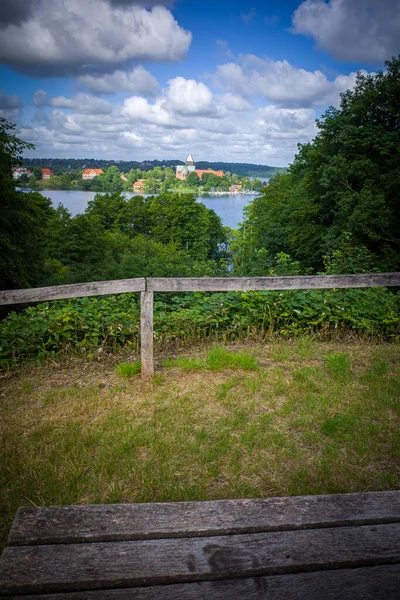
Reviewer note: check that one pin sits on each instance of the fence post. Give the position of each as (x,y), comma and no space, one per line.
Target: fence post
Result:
(146,337)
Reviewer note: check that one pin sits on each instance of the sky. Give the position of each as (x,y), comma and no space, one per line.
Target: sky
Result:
(226,80)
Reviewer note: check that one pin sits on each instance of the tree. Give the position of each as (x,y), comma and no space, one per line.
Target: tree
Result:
(24,218)
(106,207)
(109,181)
(345,182)
(23,180)
(193,180)
(37,172)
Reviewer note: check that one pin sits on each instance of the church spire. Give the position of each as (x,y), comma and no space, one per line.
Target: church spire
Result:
(190,161)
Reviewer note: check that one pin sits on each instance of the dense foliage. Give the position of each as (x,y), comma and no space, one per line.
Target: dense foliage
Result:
(93,327)
(24,219)
(164,235)
(342,190)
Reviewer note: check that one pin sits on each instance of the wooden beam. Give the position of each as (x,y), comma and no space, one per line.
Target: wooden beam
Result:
(146,328)
(365,583)
(101,565)
(76,290)
(123,522)
(298,282)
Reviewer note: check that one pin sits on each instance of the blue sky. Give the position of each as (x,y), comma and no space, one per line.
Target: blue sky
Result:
(225,80)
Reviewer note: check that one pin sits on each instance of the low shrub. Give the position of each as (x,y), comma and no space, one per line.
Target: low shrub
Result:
(92,326)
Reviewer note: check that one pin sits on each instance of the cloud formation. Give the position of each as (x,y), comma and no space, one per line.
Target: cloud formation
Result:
(187,97)
(184,116)
(351,30)
(72,37)
(279,82)
(14,12)
(262,110)
(10,105)
(138,81)
(82,103)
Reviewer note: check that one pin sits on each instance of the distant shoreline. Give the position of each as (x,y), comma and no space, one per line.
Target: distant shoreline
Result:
(172,191)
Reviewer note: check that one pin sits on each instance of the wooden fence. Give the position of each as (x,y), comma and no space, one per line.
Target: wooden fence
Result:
(148,286)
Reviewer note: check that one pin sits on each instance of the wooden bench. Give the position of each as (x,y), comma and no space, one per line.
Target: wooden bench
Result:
(305,547)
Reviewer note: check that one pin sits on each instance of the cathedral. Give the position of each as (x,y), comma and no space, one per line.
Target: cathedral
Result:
(182,171)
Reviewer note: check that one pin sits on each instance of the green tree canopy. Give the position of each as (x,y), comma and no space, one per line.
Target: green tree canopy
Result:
(24,219)
(193,180)
(345,182)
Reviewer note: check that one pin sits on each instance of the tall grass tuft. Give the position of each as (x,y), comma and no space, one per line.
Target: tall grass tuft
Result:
(217,359)
(339,366)
(127,370)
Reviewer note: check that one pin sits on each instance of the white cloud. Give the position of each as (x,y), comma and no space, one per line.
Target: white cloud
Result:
(276,122)
(71,36)
(138,109)
(138,81)
(82,103)
(279,82)
(139,129)
(188,97)
(234,102)
(352,30)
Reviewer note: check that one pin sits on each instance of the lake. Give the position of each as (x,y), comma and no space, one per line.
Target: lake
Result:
(229,208)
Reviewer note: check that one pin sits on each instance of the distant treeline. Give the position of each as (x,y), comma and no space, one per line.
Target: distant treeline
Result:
(73,164)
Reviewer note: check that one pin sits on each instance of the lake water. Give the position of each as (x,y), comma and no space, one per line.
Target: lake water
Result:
(229,208)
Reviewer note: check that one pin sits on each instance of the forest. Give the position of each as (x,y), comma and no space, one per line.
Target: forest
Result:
(335,210)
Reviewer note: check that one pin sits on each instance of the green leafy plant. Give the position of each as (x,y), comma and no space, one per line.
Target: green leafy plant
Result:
(94,327)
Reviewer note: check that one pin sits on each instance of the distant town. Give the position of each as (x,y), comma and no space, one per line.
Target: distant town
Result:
(146,178)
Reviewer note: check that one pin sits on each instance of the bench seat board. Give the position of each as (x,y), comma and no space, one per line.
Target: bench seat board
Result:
(71,524)
(69,567)
(372,583)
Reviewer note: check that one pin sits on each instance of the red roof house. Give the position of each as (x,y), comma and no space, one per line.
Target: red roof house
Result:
(138,186)
(47,173)
(91,173)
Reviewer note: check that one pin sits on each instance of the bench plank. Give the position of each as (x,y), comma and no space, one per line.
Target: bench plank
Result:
(71,524)
(74,567)
(367,583)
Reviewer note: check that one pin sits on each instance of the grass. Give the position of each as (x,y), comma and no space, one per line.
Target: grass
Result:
(216,359)
(289,418)
(127,370)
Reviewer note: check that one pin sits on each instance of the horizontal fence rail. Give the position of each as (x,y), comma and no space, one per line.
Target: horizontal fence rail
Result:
(75,290)
(148,286)
(247,284)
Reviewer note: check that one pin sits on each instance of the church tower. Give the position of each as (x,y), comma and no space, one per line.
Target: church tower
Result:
(190,161)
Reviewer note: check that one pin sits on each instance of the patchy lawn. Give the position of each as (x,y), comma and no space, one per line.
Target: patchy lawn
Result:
(289,418)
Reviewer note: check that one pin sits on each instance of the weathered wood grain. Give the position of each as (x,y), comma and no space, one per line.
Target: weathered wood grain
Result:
(146,328)
(366,583)
(76,290)
(74,567)
(119,522)
(301,282)
(194,284)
